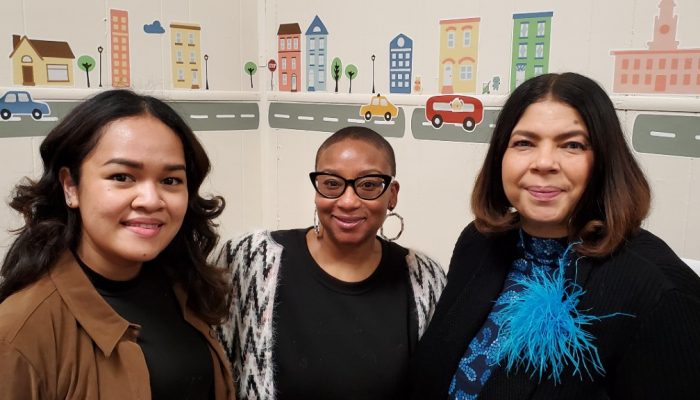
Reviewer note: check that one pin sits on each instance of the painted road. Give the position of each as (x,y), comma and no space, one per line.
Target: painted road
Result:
(201,116)
(330,118)
(674,135)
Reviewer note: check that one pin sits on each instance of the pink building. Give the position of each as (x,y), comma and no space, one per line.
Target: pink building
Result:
(289,57)
(121,64)
(662,68)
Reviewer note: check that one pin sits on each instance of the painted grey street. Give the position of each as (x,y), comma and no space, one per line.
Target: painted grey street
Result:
(674,135)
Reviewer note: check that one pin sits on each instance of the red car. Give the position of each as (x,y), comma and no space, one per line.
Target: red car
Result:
(454,109)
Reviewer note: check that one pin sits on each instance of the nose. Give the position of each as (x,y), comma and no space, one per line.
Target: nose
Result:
(545,159)
(148,197)
(349,198)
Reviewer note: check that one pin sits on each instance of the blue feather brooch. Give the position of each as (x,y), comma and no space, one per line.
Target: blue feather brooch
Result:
(542,329)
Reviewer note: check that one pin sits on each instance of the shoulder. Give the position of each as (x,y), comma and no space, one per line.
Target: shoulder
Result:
(256,244)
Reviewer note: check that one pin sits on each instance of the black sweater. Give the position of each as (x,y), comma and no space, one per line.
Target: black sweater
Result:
(655,354)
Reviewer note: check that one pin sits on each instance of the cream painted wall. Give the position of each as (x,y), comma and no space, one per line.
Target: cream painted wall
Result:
(263,173)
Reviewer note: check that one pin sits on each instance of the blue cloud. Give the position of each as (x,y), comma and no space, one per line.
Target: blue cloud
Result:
(155,27)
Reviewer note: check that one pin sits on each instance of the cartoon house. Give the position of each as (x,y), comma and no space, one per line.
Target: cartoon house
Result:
(41,62)
(121,63)
(459,48)
(530,54)
(663,67)
(289,56)
(316,53)
(401,56)
(185,55)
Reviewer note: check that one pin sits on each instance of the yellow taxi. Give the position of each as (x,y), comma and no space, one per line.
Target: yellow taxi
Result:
(379,106)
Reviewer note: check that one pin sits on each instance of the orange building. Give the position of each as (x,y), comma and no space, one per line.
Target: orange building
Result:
(121,64)
(289,55)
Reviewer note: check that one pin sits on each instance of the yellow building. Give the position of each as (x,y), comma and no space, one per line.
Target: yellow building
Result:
(459,49)
(185,51)
(41,62)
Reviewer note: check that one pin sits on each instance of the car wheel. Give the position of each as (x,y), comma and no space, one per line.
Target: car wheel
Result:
(468,124)
(387,116)
(437,121)
(5,114)
(36,113)
(368,115)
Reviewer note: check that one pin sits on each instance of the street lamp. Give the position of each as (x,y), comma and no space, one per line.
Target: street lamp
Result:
(206,71)
(373,57)
(99,50)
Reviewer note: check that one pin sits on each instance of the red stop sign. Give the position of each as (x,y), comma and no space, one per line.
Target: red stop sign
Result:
(272,65)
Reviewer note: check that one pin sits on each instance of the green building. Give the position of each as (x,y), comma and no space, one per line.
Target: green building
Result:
(531,37)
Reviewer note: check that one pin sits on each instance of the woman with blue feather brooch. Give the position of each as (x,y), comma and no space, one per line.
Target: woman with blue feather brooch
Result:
(555,291)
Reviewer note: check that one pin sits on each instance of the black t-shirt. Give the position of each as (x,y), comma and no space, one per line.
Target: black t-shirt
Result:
(341,340)
(178,357)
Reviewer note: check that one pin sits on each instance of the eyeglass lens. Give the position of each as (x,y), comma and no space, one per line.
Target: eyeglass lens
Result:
(367,187)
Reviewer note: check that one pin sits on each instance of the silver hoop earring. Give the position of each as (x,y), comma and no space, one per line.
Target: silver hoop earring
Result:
(317,227)
(68,203)
(398,235)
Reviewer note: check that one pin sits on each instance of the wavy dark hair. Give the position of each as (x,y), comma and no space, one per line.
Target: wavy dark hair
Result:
(617,198)
(50,227)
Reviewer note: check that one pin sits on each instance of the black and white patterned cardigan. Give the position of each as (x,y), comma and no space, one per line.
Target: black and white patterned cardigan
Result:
(254,264)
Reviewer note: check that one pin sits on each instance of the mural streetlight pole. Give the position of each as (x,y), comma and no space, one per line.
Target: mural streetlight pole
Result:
(206,71)
(373,57)
(99,50)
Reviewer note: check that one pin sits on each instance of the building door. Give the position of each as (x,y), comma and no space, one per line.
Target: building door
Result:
(294,82)
(27,75)
(660,83)
(310,83)
(447,78)
(519,74)
(195,79)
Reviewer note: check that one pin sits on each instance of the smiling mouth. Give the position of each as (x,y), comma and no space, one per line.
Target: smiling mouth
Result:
(544,193)
(348,223)
(144,229)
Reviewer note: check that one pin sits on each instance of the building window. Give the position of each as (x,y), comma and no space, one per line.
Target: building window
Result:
(190,38)
(688,63)
(674,79)
(321,43)
(400,64)
(178,56)
(539,50)
(623,79)
(393,77)
(289,43)
(467,38)
(408,63)
(541,25)
(296,43)
(674,63)
(524,27)
(192,59)
(393,56)
(450,39)
(686,79)
(312,44)
(393,83)
(281,44)
(393,63)
(284,63)
(539,70)
(625,63)
(57,72)
(465,72)
(294,63)
(284,79)
(522,50)
(178,37)
(180,75)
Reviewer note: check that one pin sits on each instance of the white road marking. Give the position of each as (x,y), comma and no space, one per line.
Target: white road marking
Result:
(697,137)
(492,125)
(669,135)
(48,119)
(380,122)
(197,116)
(251,116)
(426,123)
(15,118)
(225,116)
(359,121)
(305,118)
(329,119)
(281,116)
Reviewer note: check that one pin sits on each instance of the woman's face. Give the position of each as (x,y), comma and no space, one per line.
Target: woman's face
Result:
(546,167)
(132,195)
(350,220)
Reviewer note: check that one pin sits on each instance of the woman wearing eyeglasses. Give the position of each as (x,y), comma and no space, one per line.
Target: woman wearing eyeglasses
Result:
(331,311)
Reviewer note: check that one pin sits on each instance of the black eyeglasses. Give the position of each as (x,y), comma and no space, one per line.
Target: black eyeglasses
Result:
(368,187)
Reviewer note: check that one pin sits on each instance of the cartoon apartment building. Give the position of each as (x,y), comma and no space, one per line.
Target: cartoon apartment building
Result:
(41,62)
(401,65)
(316,55)
(289,56)
(530,54)
(121,63)
(459,48)
(185,55)
(663,67)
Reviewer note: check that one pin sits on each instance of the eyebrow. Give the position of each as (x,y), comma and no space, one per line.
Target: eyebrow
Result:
(564,136)
(139,165)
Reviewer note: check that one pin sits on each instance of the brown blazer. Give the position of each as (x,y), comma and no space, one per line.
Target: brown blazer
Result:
(59,339)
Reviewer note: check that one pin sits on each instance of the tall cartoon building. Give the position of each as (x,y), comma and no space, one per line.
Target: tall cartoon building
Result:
(316,55)
(663,67)
(459,49)
(401,56)
(41,62)
(531,37)
(121,62)
(289,56)
(185,55)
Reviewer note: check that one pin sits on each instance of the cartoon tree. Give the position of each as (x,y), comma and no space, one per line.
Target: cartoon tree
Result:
(351,73)
(336,71)
(251,68)
(87,64)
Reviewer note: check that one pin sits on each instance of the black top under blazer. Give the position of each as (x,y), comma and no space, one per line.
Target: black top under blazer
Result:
(655,354)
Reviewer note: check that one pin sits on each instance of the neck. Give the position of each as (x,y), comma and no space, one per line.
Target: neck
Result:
(348,263)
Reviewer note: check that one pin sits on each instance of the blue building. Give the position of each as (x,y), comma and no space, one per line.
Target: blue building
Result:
(401,64)
(316,55)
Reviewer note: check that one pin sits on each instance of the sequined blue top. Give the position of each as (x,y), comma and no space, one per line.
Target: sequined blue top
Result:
(479,359)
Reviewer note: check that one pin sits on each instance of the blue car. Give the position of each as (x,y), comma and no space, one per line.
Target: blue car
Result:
(21,103)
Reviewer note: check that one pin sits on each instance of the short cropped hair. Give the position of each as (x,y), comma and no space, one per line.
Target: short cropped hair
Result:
(363,134)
